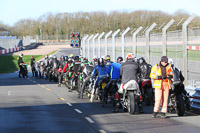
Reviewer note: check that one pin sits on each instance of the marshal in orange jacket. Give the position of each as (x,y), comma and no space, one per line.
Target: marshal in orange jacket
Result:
(156,71)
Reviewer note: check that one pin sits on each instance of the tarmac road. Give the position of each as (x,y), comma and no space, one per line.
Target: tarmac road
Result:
(39,106)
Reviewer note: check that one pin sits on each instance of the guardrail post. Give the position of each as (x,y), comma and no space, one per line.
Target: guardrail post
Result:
(93,40)
(123,40)
(135,40)
(99,44)
(164,37)
(113,43)
(184,36)
(148,41)
(88,42)
(83,43)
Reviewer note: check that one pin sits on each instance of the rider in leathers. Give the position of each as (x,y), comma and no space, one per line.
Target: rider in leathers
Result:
(60,72)
(129,71)
(99,71)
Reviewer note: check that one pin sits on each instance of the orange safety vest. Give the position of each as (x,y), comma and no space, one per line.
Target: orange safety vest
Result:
(156,71)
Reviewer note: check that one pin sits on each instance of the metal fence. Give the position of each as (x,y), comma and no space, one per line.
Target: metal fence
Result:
(152,46)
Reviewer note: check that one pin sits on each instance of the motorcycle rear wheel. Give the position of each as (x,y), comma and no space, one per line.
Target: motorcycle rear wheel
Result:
(180,108)
(131,102)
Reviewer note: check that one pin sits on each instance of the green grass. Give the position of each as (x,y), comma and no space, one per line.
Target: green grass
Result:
(9,63)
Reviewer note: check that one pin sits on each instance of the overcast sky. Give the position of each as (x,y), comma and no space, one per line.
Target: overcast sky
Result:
(13,10)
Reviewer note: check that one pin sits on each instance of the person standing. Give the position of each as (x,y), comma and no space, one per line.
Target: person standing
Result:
(161,74)
(20,62)
(33,65)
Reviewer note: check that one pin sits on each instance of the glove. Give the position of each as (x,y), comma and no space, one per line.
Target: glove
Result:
(158,77)
(170,77)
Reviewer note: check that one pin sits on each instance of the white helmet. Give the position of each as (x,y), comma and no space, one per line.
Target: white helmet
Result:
(95,57)
(170,61)
(50,56)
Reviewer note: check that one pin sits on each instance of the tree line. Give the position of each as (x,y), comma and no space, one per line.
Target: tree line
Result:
(96,22)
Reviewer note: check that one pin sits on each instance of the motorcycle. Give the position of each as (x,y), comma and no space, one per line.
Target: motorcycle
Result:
(131,93)
(24,70)
(86,80)
(176,101)
(147,91)
(101,85)
(41,71)
(109,93)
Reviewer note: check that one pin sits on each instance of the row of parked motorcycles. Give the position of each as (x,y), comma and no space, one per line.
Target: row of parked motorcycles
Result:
(131,95)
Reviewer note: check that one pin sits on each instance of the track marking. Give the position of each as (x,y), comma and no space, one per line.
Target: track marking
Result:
(48,89)
(78,111)
(42,86)
(9,93)
(62,99)
(102,131)
(89,119)
(38,84)
(69,104)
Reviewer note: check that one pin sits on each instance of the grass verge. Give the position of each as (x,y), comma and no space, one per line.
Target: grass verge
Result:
(8,63)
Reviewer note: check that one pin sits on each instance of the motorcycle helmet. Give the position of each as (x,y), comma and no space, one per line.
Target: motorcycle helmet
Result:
(119,59)
(21,55)
(61,57)
(108,57)
(66,58)
(76,58)
(95,58)
(130,56)
(70,59)
(171,61)
(51,57)
(71,55)
(46,56)
(141,60)
(101,61)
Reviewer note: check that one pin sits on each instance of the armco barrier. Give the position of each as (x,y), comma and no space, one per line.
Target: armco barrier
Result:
(10,50)
(194,96)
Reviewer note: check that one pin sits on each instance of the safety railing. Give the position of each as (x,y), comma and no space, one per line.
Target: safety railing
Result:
(194,96)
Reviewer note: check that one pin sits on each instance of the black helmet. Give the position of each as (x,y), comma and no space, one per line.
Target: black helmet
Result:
(141,60)
(76,58)
(119,59)
(101,61)
(66,58)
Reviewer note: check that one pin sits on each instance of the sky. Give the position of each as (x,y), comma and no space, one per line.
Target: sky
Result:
(12,11)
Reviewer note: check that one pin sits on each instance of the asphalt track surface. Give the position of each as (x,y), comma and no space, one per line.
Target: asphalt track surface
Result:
(39,106)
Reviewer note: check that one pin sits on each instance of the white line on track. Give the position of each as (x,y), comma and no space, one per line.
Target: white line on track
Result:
(102,131)
(89,119)
(69,104)
(9,93)
(78,111)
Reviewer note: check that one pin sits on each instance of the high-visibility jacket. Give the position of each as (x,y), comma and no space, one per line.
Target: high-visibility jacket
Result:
(156,71)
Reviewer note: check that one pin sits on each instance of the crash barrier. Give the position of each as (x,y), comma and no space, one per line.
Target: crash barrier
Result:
(194,96)
(10,50)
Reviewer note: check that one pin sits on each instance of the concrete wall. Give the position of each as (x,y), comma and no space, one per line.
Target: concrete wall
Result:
(10,43)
